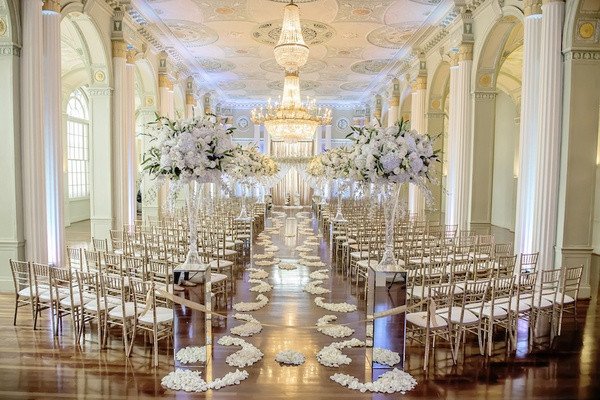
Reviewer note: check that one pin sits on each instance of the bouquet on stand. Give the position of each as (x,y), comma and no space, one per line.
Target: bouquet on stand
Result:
(390,157)
(337,166)
(189,152)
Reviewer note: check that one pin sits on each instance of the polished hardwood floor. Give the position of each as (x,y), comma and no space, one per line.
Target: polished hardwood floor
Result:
(36,365)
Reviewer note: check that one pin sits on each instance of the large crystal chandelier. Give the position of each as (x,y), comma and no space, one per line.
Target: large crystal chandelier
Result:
(290,119)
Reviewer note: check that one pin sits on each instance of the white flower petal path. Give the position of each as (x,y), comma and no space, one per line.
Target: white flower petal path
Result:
(261,301)
(313,287)
(385,356)
(191,381)
(257,273)
(312,264)
(333,330)
(191,354)
(287,266)
(309,257)
(246,356)
(335,307)
(290,357)
(265,263)
(251,327)
(264,256)
(332,356)
(261,286)
(319,275)
(390,382)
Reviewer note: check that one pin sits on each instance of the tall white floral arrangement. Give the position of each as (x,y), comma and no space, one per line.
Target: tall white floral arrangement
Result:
(196,150)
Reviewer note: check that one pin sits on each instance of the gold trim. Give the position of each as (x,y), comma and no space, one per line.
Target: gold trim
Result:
(190,99)
(119,49)
(586,30)
(164,81)
(532,7)
(465,53)
(51,5)
(395,101)
(131,54)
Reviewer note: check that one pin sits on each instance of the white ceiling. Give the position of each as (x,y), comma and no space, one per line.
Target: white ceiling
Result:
(352,42)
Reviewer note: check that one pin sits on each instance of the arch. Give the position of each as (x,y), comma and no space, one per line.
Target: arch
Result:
(10,12)
(438,89)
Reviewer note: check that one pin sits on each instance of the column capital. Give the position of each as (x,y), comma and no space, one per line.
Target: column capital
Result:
(164,81)
(190,99)
(103,91)
(532,7)
(552,1)
(119,48)
(420,83)
(51,5)
(465,52)
(394,101)
(485,95)
(10,49)
(131,55)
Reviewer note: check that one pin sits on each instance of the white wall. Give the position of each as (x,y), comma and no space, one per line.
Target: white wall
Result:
(79,209)
(505,145)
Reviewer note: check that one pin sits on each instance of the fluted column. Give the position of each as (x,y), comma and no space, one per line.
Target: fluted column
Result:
(119,133)
(256,134)
(327,136)
(377,109)
(32,133)
(319,139)
(550,129)
(55,203)
(528,129)
(394,110)
(416,201)
(130,157)
(190,106)
(459,168)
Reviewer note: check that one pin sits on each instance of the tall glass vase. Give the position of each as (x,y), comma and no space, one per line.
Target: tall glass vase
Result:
(244,216)
(339,216)
(391,197)
(193,262)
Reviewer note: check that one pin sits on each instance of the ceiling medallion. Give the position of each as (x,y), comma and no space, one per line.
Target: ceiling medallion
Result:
(224,10)
(313,32)
(393,36)
(192,33)
(429,2)
(232,85)
(354,86)
(212,65)
(369,67)
(364,11)
(310,67)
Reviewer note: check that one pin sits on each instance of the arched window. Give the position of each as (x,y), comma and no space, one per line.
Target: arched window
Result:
(77,145)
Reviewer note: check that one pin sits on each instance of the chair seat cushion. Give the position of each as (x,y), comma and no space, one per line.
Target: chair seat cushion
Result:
(559,298)
(29,292)
(486,311)
(163,315)
(420,319)
(110,304)
(117,312)
(457,315)
(367,263)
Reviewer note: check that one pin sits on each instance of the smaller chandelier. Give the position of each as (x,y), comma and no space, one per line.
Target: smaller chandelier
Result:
(291,52)
(291,120)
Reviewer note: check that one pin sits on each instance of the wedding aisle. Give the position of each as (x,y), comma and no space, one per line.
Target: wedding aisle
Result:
(287,256)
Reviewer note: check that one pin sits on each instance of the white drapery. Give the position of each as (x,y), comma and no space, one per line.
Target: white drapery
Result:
(292,183)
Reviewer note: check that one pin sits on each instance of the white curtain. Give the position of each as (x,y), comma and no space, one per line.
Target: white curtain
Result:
(292,183)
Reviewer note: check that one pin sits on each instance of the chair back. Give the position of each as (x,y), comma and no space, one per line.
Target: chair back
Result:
(21,273)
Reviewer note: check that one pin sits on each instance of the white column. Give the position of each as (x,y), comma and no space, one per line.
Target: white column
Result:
(550,129)
(393,111)
(130,175)
(119,133)
(416,201)
(101,206)
(451,218)
(528,129)
(53,133)
(190,106)
(319,139)
(461,158)
(327,136)
(32,133)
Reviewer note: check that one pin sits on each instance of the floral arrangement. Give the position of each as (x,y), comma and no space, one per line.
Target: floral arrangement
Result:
(336,163)
(251,327)
(335,307)
(326,327)
(191,381)
(188,150)
(249,163)
(246,356)
(389,382)
(191,354)
(257,273)
(290,357)
(261,301)
(391,155)
(315,167)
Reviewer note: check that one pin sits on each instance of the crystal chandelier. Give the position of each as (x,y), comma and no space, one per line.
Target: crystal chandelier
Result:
(290,119)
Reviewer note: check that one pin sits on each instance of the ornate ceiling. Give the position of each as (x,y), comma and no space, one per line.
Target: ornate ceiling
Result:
(353,43)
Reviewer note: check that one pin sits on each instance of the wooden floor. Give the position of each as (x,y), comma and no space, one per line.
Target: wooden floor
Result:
(35,365)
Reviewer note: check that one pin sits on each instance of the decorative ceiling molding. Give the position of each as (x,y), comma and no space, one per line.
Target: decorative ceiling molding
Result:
(314,32)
